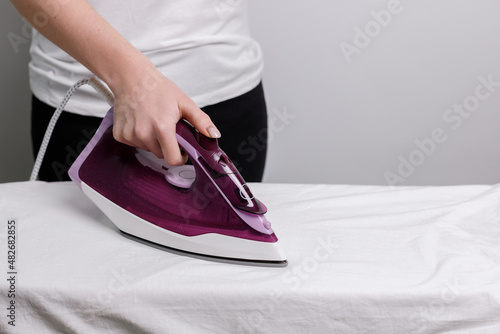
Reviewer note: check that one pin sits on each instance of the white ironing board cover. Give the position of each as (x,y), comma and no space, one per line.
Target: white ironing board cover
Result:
(362,259)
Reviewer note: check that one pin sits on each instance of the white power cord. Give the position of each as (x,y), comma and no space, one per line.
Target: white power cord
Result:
(95,83)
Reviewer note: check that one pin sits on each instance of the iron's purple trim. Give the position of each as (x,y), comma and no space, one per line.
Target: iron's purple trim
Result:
(255,221)
(221,169)
(73,172)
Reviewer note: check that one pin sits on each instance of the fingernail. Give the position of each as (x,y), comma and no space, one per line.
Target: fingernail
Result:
(213,131)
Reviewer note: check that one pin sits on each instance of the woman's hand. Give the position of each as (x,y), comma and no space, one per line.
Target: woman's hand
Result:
(147,109)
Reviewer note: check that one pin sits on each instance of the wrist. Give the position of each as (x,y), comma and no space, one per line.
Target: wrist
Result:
(129,73)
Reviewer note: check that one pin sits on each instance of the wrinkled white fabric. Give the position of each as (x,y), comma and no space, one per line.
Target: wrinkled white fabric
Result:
(362,259)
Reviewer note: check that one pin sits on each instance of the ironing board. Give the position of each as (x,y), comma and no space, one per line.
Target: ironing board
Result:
(362,259)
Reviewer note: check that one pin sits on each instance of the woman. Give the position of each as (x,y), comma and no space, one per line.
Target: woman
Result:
(162,60)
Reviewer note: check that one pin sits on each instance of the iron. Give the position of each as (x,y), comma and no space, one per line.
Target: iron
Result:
(205,208)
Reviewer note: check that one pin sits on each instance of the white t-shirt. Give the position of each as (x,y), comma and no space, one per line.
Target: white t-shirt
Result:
(203,46)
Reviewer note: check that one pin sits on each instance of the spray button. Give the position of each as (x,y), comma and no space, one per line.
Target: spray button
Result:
(181,176)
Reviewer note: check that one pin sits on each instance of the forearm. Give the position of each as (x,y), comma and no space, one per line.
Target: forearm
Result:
(79,30)
(147,105)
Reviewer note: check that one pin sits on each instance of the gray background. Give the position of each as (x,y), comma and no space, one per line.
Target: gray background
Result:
(352,122)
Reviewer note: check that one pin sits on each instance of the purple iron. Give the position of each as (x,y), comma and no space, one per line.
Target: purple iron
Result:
(205,209)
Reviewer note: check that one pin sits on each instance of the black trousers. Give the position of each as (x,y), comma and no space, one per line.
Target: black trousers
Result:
(242,122)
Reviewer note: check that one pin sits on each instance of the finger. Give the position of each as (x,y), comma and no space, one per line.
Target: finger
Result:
(165,133)
(152,146)
(155,148)
(136,144)
(148,140)
(127,138)
(199,120)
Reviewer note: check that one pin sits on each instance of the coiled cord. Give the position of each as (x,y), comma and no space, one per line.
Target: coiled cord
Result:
(95,83)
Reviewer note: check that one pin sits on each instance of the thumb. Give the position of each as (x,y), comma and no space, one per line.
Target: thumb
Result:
(201,121)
